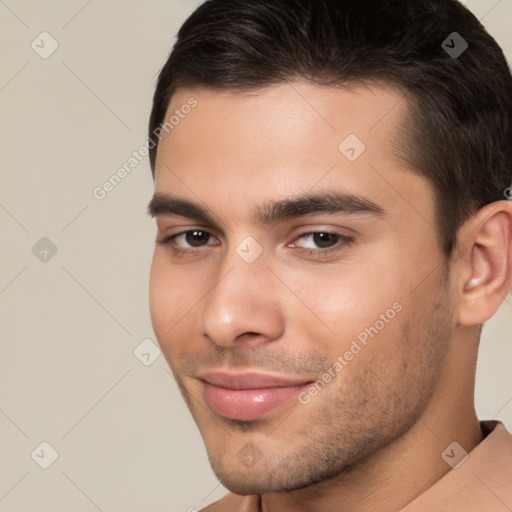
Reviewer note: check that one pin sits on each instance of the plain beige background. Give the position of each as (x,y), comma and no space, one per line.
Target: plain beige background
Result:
(72,320)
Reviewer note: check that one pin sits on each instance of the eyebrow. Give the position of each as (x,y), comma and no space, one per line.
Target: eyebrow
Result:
(273,211)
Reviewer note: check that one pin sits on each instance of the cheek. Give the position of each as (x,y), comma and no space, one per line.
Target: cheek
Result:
(341,305)
(171,298)
(361,304)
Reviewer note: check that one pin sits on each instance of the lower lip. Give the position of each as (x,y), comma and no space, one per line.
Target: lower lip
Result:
(248,404)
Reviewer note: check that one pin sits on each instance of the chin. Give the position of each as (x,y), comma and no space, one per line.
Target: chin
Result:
(244,480)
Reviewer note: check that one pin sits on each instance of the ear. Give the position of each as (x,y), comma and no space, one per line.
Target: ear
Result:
(485,267)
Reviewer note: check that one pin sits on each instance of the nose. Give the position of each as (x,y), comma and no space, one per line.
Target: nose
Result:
(242,307)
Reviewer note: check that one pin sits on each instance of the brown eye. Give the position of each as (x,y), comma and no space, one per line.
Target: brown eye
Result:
(322,240)
(196,238)
(189,240)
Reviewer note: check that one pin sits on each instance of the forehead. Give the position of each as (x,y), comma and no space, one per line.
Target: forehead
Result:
(234,148)
(309,112)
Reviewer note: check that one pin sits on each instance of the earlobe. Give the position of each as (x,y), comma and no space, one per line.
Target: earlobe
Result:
(486,266)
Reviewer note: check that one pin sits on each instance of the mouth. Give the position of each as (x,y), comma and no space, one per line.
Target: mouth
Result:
(249,395)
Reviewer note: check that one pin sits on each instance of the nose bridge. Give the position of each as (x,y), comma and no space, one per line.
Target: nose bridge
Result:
(241,301)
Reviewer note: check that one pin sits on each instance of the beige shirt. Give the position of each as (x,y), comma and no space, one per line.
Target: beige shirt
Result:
(482,483)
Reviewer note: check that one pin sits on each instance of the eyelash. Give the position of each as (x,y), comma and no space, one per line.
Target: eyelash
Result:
(342,241)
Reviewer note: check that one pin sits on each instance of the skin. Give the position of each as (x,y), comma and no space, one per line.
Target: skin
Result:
(372,437)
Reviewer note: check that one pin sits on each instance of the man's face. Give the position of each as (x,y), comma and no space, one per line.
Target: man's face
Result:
(264,296)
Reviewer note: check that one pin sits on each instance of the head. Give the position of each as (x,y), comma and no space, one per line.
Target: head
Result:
(332,224)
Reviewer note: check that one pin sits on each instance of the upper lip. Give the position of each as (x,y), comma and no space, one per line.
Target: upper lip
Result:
(249,380)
